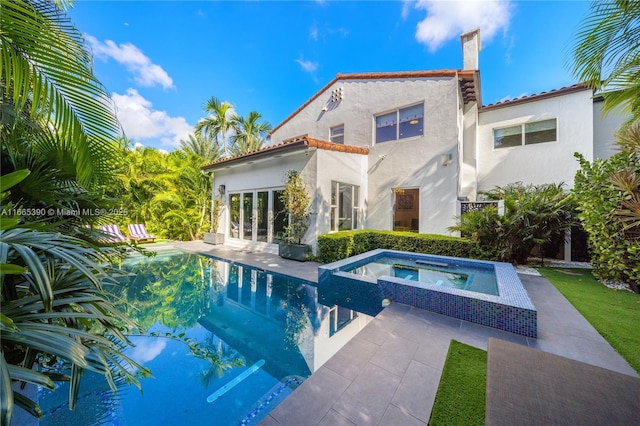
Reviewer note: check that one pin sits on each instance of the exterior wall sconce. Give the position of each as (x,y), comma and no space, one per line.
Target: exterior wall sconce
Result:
(446,159)
(221,189)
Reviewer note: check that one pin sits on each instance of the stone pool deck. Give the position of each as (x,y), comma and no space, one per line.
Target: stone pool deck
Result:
(389,373)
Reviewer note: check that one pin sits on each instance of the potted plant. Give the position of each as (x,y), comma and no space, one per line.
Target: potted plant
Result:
(297,205)
(215,237)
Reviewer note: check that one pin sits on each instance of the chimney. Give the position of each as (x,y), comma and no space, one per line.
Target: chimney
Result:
(470,49)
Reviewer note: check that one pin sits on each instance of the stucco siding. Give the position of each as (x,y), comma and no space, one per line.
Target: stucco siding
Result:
(408,163)
(549,162)
(604,129)
(468,152)
(267,174)
(363,99)
(337,167)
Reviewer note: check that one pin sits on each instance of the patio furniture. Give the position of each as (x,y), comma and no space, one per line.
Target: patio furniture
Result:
(530,387)
(113,233)
(139,234)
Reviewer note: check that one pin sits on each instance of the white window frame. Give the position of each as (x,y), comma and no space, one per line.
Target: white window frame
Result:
(523,134)
(339,135)
(397,113)
(334,209)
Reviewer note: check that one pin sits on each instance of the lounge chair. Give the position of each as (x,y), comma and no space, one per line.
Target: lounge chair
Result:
(113,233)
(139,234)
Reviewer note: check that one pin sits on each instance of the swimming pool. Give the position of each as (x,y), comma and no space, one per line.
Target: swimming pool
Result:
(225,344)
(440,284)
(477,277)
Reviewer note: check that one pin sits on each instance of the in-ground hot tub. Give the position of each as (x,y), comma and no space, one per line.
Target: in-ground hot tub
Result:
(478,291)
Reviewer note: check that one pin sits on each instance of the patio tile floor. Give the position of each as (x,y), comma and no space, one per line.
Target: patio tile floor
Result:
(389,373)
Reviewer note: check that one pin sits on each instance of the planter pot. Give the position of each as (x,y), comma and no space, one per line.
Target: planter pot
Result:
(299,252)
(211,238)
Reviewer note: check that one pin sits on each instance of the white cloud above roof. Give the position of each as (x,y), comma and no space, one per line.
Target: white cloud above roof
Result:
(145,72)
(446,20)
(307,66)
(141,121)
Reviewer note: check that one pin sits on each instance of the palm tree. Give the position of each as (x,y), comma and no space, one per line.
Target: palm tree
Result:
(251,133)
(218,124)
(202,146)
(606,55)
(58,123)
(47,78)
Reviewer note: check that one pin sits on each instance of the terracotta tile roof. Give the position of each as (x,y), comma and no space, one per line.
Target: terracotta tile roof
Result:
(462,74)
(302,142)
(578,87)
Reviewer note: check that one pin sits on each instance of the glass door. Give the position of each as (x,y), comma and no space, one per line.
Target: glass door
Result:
(257,216)
(406,211)
(247,216)
(234,215)
(280,217)
(262,212)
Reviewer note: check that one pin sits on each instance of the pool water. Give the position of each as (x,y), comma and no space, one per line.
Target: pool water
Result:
(438,273)
(225,344)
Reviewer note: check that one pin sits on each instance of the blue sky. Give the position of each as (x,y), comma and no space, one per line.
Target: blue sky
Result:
(161,60)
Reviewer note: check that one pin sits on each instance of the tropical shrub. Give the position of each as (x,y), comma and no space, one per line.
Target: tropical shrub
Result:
(58,122)
(166,191)
(56,319)
(534,216)
(343,244)
(608,196)
(182,208)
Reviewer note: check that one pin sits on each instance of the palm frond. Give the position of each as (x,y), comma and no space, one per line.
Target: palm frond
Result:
(606,53)
(47,70)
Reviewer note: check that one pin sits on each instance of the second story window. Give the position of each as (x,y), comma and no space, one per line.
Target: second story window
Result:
(400,124)
(337,134)
(526,134)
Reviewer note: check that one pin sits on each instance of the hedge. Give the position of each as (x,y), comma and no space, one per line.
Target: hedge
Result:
(340,245)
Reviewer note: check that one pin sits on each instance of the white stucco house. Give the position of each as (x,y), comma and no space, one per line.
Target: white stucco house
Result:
(398,150)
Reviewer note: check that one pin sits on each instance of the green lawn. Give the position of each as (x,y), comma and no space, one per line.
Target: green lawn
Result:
(461,394)
(614,313)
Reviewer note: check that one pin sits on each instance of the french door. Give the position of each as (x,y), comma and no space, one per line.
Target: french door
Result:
(256,215)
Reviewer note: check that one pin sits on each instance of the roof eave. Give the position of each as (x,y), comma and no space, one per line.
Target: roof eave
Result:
(252,156)
(579,87)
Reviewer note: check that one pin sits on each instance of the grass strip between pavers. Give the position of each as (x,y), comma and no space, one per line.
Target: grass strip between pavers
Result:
(614,313)
(461,394)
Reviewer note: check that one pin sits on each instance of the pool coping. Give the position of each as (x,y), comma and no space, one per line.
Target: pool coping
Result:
(511,310)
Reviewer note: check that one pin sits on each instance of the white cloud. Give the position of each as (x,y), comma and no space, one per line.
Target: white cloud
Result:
(313,32)
(449,19)
(144,71)
(308,66)
(146,350)
(141,121)
(406,8)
